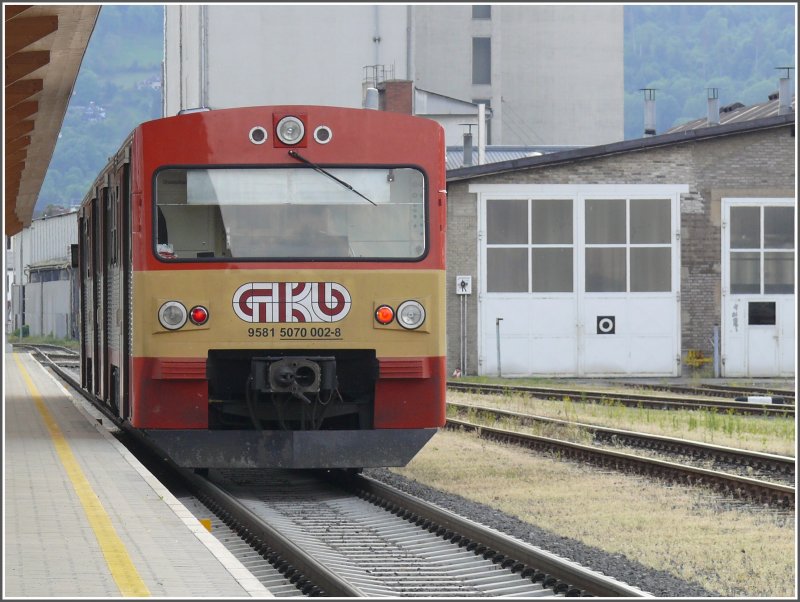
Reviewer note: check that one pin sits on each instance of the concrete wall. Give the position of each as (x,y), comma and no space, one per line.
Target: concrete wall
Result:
(557,71)
(49,309)
(757,164)
(45,242)
(241,55)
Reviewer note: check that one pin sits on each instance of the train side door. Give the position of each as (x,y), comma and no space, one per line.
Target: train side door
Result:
(124,264)
(107,304)
(86,310)
(98,336)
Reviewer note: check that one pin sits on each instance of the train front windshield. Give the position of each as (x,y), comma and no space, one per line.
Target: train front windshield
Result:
(286,213)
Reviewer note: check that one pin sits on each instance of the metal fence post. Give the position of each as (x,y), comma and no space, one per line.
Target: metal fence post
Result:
(499,369)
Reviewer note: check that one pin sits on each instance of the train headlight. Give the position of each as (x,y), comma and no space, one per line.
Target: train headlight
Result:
(172,315)
(290,130)
(384,314)
(410,314)
(198,315)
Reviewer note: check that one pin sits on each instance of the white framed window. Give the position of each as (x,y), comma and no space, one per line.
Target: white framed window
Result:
(761,244)
(529,245)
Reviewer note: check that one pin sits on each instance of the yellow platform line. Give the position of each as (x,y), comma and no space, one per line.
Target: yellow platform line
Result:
(119,562)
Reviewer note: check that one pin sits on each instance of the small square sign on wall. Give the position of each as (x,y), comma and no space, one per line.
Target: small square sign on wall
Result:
(606,324)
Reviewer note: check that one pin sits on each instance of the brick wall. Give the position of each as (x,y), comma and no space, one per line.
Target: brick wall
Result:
(756,164)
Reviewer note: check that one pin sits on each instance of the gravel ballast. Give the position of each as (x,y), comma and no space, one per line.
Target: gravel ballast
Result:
(658,583)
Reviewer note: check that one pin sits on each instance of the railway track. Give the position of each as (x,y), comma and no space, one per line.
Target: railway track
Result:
(737,485)
(340,534)
(627,399)
(725,391)
(353,536)
(764,465)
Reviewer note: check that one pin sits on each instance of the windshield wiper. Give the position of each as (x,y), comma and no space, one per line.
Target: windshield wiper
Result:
(316,167)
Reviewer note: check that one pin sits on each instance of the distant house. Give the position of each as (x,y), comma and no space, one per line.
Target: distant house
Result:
(94,112)
(154,83)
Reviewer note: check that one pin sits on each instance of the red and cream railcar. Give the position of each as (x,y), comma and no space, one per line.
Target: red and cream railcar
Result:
(264,286)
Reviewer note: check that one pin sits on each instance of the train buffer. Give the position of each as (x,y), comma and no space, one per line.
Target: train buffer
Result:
(696,359)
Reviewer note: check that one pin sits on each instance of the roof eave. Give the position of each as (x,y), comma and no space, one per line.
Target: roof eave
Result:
(638,144)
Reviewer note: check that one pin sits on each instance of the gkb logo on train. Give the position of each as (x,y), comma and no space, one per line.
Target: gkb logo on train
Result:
(275,302)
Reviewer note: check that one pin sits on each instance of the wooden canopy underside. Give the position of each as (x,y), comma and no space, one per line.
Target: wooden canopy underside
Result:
(44,46)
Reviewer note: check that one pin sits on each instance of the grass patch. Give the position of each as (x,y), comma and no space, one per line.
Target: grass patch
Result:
(770,434)
(43,340)
(680,530)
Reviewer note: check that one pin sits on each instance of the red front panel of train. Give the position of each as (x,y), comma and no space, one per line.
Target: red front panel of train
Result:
(222,216)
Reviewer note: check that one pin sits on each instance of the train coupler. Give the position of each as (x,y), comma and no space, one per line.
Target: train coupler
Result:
(294,375)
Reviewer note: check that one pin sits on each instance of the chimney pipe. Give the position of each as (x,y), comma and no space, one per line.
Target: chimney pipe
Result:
(785,92)
(468,148)
(713,106)
(649,111)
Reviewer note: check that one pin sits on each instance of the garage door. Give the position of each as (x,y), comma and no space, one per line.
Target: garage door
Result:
(579,280)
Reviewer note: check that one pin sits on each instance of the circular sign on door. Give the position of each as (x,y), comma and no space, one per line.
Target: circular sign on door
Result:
(606,324)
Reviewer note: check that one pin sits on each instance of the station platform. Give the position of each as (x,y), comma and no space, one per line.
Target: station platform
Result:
(83,518)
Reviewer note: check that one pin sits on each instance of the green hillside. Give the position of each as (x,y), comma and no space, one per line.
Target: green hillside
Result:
(683,50)
(117,88)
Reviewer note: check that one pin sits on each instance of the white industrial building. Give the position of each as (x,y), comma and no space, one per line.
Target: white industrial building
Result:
(548,75)
(43,289)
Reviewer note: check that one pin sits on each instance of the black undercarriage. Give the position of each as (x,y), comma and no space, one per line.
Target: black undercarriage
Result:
(292,390)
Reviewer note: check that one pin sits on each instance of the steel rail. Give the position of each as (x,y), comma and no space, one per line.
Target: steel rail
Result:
(627,399)
(506,549)
(782,495)
(744,390)
(715,390)
(563,576)
(311,570)
(782,464)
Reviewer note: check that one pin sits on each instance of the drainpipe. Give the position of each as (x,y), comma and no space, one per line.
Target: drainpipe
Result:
(410,33)
(377,36)
(499,369)
(481,134)
(715,346)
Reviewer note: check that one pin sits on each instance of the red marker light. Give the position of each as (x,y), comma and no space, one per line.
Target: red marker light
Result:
(384,314)
(198,315)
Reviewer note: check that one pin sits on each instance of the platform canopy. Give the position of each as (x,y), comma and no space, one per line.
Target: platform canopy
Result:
(44,47)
